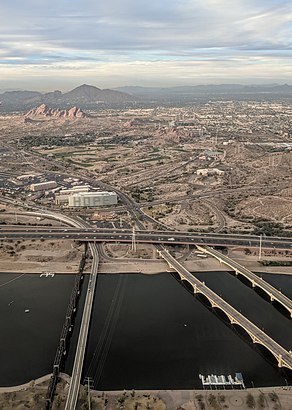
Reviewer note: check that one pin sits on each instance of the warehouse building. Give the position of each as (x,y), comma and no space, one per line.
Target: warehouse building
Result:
(43,186)
(92,199)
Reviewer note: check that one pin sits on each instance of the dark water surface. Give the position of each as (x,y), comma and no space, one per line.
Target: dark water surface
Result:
(147,332)
(28,341)
(153,334)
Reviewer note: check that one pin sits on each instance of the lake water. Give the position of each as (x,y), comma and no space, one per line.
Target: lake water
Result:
(147,332)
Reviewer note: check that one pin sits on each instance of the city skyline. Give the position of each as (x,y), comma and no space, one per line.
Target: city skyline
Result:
(119,43)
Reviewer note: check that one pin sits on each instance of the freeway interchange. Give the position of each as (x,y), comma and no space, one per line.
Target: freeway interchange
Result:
(13,232)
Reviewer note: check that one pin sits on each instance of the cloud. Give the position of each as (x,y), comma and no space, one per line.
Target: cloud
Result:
(47,34)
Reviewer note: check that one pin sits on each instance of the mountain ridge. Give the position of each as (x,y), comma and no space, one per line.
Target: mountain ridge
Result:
(84,96)
(90,97)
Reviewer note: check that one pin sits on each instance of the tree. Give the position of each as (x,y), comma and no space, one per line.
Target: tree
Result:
(250,401)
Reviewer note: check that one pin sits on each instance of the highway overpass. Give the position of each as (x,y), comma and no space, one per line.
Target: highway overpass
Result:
(16,232)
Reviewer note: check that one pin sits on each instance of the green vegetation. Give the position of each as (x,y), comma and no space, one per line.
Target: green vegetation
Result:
(267,227)
(250,401)
(276,263)
(213,402)
(60,140)
(201,404)
(261,401)
(157,158)
(273,397)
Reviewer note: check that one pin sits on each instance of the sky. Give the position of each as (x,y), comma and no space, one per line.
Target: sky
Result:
(60,44)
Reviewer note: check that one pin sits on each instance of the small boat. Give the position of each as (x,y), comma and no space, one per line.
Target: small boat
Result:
(26,311)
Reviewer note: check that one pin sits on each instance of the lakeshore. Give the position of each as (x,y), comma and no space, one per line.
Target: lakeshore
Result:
(32,394)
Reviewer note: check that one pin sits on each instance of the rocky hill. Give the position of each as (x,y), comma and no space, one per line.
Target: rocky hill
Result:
(45,111)
(84,96)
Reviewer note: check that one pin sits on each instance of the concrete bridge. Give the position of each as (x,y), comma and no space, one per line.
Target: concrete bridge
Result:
(282,356)
(256,281)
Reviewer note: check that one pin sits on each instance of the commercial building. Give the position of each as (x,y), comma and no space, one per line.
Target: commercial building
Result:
(75,190)
(210,171)
(64,194)
(92,199)
(43,186)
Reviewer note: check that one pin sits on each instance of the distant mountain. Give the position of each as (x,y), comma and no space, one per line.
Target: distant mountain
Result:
(207,89)
(90,97)
(11,96)
(88,93)
(44,111)
(85,96)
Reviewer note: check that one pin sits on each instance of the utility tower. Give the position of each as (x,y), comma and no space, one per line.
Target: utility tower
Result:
(260,247)
(89,385)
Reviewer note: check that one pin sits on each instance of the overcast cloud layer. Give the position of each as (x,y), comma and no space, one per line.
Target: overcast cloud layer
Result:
(63,43)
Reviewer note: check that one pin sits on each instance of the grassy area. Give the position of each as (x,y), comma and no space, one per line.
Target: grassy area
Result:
(158,158)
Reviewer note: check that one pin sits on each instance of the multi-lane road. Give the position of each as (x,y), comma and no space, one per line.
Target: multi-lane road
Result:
(17,232)
(256,281)
(75,380)
(284,358)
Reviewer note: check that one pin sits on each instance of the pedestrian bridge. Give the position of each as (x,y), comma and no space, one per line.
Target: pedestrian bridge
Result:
(282,356)
(256,281)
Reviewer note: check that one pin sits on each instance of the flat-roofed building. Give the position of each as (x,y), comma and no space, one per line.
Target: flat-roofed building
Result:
(43,186)
(64,194)
(92,199)
(210,171)
(75,190)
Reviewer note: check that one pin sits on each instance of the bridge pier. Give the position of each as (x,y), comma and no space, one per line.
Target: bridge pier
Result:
(254,339)
(232,321)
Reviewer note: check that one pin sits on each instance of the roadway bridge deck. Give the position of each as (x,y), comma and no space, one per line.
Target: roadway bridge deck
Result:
(273,293)
(74,386)
(283,357)
(86,234)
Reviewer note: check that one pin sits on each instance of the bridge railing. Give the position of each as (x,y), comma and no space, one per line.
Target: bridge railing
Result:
(66,331)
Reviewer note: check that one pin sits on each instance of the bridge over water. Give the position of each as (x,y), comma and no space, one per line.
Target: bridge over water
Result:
(256,281)
(283,357)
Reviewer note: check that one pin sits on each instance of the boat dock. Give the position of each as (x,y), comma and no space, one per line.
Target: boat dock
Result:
(222,381)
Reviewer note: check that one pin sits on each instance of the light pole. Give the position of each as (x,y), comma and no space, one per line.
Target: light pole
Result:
(260,249)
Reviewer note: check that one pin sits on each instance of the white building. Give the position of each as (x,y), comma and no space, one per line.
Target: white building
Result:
(91,199)
(210,171)
(64,194)
(43,186)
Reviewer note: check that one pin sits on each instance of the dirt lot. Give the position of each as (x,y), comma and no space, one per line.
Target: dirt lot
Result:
(37,256)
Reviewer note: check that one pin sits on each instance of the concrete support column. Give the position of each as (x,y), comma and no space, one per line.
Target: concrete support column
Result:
(280,360)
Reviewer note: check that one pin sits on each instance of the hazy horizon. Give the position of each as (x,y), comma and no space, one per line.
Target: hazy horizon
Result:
(2,90)
(60,45)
